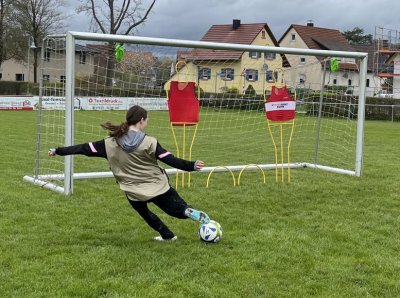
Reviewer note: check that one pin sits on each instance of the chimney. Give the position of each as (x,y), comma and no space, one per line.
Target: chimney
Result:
(310,23)
(236,24)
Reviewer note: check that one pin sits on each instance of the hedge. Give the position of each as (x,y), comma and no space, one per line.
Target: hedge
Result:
(18,88)
(331,100)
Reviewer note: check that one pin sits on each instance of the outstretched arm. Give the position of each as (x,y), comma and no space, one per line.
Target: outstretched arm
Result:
(95,149)
(178,163)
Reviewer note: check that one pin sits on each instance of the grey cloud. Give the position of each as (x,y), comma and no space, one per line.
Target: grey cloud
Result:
(190,19)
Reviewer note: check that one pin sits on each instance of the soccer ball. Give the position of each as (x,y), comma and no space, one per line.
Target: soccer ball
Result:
(210,232)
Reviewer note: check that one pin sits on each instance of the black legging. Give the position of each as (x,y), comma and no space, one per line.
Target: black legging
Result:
(170,202)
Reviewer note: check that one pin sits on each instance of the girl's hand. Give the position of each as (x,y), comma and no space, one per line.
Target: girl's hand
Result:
(52,152)
(198,165)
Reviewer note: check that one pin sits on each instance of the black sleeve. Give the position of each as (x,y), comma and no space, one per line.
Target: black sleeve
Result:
(95,149)
(169,159)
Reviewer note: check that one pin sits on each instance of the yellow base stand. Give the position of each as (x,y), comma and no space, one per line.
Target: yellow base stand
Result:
(280,126)
(182,153)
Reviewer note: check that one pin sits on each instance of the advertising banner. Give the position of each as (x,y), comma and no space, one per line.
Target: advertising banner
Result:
(16,103)
(82,103)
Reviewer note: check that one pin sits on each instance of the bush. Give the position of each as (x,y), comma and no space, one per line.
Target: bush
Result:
(18,88)
(232,90)
(250,91)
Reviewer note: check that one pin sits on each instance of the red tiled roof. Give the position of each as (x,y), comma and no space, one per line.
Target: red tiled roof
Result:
(182,55)
(348,66)
(245,34)
(321,38)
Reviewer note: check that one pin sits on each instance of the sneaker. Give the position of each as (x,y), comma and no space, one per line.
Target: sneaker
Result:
(159,238)
(197,215)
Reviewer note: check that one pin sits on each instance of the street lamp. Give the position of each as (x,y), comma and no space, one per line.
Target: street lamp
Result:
(31,45)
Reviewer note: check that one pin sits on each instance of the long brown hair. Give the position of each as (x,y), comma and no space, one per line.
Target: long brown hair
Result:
(133,116)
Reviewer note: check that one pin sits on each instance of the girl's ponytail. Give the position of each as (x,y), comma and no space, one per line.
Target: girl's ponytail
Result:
(116,131)
(133,116)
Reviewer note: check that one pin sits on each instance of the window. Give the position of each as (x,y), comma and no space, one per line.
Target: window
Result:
(1,75)
(269,78)
(263,34)
(366,83)
(82,58)
(349,82)
(251,75)
(46,77)
(302,78)
(302,60)
(270,56)
(227,74)
(293,37)
(334,82)
(255,55)
(62,79)
(47,55)
(204,73)
(19,77)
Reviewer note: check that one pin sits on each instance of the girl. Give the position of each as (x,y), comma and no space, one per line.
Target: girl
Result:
(133,156)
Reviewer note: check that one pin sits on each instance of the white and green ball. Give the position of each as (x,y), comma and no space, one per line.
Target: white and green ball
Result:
(210,232)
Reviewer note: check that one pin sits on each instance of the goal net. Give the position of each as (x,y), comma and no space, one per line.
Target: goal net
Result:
(85,82)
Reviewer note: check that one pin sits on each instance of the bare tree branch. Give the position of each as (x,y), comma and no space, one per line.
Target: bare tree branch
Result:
(121,17)
(142,20)
(109,17)
(96,18)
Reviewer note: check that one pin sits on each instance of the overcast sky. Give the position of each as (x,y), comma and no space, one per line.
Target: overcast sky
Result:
(190,19)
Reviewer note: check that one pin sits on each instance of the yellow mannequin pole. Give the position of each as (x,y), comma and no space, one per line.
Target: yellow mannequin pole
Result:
(275,150)
(183,151)
(177,153)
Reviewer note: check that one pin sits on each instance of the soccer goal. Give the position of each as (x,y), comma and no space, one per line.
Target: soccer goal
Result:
(89,78)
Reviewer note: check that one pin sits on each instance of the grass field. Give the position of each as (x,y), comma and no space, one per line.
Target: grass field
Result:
(323,235)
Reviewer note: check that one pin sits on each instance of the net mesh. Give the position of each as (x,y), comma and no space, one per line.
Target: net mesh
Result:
(231,88)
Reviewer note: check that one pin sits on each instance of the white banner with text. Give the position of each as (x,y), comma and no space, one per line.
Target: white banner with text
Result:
(82,103)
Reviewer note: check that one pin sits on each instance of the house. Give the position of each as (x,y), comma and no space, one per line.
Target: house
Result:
(223,70)
(311,37)
(53,65)
(394,60)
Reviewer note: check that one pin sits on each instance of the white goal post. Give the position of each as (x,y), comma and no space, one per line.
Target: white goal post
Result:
(329,117)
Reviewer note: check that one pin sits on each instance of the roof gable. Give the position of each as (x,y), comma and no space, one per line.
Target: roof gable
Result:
(244,34)
(321,38)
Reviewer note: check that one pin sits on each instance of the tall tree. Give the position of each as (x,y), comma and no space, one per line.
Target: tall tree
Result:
(38,18)
(356,36)
(115,17)
(5,29)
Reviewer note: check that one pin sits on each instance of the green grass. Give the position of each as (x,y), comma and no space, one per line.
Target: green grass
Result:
(323,235)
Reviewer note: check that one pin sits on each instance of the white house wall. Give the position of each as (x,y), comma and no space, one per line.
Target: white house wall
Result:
(55,68)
